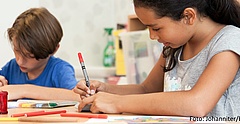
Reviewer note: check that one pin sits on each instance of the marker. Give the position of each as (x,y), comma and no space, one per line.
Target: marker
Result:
(23,114)
(12,104)
(38,105)
(84,115)
(45,113)
(84,69)
(25,105)
(44,105)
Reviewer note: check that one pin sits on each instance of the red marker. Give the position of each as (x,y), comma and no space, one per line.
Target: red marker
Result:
(84,69)
(84,115)
(45,113)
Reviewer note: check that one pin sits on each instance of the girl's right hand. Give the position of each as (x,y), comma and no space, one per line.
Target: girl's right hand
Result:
(3,81)
(84,91)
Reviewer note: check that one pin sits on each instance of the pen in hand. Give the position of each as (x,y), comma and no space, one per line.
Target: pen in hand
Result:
(84,69)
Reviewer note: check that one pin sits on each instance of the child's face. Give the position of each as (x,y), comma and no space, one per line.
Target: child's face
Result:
(29,64)
(164,30)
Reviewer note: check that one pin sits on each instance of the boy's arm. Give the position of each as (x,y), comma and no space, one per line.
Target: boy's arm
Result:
(39,92)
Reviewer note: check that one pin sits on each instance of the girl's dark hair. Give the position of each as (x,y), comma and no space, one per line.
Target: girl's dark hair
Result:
(35,31)
(221,11)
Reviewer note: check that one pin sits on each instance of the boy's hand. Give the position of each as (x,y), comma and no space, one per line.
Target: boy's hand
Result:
(3,81)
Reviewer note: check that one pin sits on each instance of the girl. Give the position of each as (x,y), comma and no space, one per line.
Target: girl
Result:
(34,72)
(198,69)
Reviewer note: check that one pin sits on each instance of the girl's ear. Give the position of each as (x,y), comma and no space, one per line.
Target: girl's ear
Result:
(189,16)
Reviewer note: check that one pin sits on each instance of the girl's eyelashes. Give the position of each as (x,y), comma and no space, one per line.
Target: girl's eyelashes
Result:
(155,29)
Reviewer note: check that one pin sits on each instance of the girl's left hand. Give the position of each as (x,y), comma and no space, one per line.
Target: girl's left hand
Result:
(101,102)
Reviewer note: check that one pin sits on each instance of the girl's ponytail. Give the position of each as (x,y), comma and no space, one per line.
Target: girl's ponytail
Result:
(224,11)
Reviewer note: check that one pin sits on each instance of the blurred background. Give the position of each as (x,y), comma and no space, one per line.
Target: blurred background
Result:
(83,24)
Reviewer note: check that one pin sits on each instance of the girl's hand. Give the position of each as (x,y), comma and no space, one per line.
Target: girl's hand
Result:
(101,102)
(3,81)
(84,91)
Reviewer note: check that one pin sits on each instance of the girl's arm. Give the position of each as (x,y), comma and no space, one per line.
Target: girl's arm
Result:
(198,101)
(153,83)
(39,92)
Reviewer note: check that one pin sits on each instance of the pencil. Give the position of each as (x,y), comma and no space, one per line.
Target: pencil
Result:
(23,114)
(39,119)
(84,115)
(48,119)
(4,119)
(45,113)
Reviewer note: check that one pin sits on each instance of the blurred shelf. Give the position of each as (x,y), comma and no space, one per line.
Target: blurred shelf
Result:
(95,72)
(134,24)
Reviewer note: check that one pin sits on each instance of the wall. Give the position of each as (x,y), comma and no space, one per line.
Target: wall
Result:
(82,21)
(9,10)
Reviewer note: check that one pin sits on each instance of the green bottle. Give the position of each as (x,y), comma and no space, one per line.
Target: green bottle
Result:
(109,51)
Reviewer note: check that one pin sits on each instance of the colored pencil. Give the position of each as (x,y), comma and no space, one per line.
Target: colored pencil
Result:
(39,119)
(45,113)
(23,114)
(48,119)
(84,115)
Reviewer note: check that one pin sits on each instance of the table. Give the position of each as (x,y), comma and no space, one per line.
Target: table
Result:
(23,110)
(78,120)
(70,109)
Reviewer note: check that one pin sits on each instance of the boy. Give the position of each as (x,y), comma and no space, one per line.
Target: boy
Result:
(34,72)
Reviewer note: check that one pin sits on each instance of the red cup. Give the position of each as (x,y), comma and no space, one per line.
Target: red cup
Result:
(3,102)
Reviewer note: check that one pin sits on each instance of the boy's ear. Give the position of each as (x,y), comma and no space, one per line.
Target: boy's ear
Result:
(189,16)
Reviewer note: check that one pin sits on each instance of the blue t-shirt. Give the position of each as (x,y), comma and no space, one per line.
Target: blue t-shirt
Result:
(57,73)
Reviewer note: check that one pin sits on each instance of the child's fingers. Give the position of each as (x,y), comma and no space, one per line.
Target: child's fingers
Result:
(92,89)
(85,101)
(3,81)
(80,92)
(95,86)
(81,89)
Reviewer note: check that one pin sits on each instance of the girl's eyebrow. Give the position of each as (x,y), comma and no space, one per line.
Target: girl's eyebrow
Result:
(150,25)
